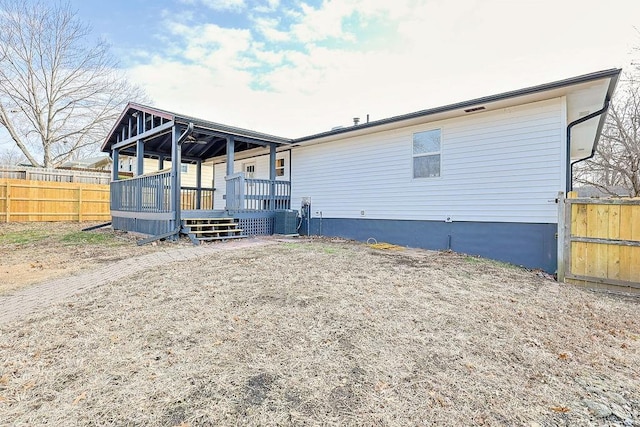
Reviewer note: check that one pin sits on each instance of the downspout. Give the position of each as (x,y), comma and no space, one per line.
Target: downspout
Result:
(569,177)
(175,164)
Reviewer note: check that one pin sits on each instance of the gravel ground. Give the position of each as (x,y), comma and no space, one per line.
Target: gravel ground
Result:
(326,333)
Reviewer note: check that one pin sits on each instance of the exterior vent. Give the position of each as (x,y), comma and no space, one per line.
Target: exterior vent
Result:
(471,110)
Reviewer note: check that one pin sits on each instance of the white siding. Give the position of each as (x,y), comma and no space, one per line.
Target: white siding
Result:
(502,166)
(262,172)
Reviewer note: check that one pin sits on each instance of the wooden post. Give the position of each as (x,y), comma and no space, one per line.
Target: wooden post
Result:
(139,157)
(139,145)
(176,161)
(565,232)
(116,164)
(8,204)
(230,154)
(79,204)
(561,237)
(272,176)
(230,161)
(198,183)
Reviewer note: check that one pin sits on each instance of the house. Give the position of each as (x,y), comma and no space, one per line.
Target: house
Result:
(102,162)
(480,176)
(188,170)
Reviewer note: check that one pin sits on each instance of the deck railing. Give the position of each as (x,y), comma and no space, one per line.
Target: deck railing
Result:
(195,198)
(257,194)
(152,193)
(146,193)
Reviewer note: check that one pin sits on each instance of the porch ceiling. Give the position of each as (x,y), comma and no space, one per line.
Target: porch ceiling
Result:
(207,140)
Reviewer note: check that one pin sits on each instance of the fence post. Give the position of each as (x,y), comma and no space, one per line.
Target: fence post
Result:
(561,238)
(79,204)
(8,203)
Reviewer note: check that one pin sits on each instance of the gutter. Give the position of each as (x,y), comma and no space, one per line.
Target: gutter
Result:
(175,164)
(569,183)
(607,101)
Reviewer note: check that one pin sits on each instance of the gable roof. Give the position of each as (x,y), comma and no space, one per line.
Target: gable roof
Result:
(211,136)
(585,94)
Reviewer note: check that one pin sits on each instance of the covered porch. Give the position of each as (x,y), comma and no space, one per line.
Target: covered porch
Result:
(156,203)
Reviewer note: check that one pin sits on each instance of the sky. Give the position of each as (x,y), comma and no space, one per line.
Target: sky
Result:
(297,67)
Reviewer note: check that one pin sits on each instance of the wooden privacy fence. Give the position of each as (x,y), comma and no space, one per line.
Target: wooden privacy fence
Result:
(600,244)
(26,201)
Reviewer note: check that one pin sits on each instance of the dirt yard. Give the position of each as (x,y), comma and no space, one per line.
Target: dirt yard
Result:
(34,252)
(326,333)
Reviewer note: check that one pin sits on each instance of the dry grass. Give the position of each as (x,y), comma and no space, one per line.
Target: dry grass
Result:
(38,251)
(322,333)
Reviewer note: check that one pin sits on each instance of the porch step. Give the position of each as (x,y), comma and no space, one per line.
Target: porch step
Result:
(231,225)
(234,230)
(204,229)
(221,220)
(204,239)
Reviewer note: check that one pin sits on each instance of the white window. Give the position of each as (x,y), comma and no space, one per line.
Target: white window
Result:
(426,154)
(279,167)
(249,170)
(184,168)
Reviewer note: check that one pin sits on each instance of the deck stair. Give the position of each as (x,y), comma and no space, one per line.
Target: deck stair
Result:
(204,229)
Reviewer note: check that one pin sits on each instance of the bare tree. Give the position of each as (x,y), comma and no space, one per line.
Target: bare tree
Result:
(615,168)
(11,157)
(59,93)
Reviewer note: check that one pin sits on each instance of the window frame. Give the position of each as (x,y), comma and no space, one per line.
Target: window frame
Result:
(280,169)
(427,154)
(184,168)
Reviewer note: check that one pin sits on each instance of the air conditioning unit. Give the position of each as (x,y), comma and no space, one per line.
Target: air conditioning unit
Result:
(286,222)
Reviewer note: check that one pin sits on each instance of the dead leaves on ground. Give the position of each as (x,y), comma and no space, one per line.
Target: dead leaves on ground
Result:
(80,398)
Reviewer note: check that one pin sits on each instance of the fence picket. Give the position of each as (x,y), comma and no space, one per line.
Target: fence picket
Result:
(613,231)
(26,201)
(604,239)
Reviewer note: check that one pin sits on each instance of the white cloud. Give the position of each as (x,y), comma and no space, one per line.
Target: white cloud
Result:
(219,5)
(211,45)
(270,6)
(430,53)
(269,28)
(322,23)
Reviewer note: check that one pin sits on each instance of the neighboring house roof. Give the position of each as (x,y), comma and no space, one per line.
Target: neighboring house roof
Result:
(88,163)
(584,94)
